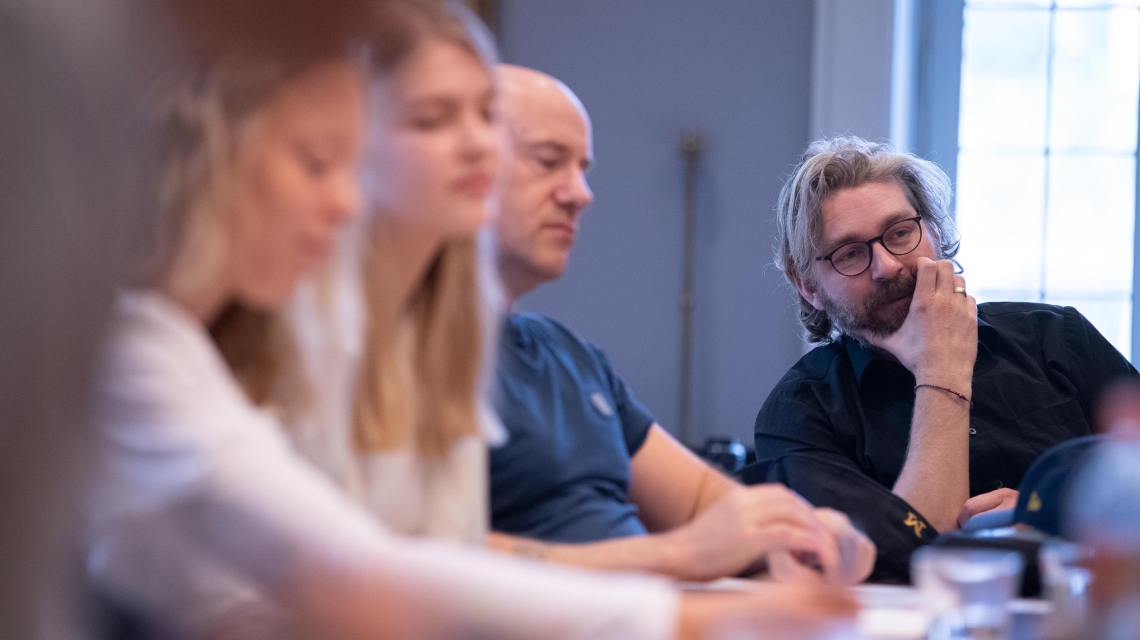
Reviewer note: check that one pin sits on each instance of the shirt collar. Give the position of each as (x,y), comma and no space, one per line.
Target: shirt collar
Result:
(861,357)
(515,332)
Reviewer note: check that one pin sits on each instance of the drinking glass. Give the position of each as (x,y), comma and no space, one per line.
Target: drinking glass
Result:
(1065,580)
(967,591)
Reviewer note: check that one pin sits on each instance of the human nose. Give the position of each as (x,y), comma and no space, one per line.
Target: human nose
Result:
(575,194)
(479,139)
(345,198)
(884,264)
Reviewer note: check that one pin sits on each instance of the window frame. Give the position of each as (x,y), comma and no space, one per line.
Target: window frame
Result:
(924,118)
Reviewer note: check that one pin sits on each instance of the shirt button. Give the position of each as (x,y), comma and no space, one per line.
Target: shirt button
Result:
(999,484)
(973,431)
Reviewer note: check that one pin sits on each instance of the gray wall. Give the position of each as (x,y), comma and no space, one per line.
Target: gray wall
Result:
(851,74)
(738,71)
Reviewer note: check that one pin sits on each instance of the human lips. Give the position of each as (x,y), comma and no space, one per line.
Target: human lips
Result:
(316,249)
(891,295)
(476,185)
(565,229)
(903,300)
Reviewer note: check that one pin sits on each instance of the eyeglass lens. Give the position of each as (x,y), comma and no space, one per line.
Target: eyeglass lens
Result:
(853,259)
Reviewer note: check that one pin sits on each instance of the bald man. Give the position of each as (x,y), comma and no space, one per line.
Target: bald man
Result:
(588,477)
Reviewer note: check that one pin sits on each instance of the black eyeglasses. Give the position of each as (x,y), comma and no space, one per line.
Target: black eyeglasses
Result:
(899,239)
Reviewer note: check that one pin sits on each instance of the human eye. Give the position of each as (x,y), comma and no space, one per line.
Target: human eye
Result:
(548,157)
(849,254)
(901,234)
(430,117)
(549,163)
(315,163)
(547,160)
(429,122)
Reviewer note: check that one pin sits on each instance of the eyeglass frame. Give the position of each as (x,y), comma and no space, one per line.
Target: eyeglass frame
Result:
(871,247)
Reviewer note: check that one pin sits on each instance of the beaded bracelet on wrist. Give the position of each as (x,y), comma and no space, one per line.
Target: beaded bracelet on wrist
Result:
(952,392)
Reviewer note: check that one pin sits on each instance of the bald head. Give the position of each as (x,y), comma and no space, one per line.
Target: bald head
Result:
(530,97)
(545,186)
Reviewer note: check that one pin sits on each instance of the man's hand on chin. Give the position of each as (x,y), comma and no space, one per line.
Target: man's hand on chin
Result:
(938,341)
(998,500)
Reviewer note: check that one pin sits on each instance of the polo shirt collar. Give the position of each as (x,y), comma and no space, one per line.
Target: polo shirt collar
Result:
(861,357)
(515,332)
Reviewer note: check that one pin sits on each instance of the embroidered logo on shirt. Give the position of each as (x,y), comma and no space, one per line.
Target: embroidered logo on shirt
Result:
(599,402)
(913,521)
(1034,503)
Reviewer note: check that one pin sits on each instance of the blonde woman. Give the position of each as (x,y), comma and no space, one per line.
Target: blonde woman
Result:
(419,426)
(413,450)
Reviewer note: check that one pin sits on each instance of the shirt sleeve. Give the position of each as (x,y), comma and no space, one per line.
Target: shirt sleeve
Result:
(794,420)
(798,444)
(1093,362)
(199,505)
(635,418)
(799,418)
(267,518)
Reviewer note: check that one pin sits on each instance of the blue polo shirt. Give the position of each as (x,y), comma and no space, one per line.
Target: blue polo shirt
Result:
(573,425)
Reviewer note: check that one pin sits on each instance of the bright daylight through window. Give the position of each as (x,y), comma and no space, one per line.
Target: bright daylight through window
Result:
(1047,155)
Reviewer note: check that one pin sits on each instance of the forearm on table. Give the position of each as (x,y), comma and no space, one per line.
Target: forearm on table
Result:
(715,485)
(651,553)
(491,596)
(935,478)
(670,484)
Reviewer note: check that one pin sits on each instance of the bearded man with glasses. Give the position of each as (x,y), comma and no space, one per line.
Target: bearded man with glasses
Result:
(921,408)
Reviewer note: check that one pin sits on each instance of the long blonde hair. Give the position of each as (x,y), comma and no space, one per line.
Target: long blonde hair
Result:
(451,327)
(236,54)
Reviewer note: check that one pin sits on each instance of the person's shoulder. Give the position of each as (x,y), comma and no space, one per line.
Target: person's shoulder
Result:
(814,366)
(1025,316)
(1004,309)
(156,352)
(546,329)
(561,341)
(781,412)
(146,327)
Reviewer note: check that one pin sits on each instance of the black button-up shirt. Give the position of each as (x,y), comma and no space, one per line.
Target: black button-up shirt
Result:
(1038,374)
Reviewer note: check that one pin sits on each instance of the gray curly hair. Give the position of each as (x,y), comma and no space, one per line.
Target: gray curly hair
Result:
(830,165)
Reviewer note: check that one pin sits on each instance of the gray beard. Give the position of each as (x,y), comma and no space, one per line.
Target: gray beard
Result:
(871,318)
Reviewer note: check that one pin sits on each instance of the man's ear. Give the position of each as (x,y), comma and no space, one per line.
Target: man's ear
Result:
(808,291)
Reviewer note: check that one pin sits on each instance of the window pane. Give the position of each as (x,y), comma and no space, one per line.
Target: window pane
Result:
(1088,229)
(1001,201)
(1112,318)
(1008,4)
(1098,3)
(1096,68)
(1004,66)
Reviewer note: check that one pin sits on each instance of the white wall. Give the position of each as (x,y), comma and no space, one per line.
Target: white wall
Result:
(851,68)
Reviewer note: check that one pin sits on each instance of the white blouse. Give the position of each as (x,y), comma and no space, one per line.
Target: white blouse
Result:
(198,496)
(442,499)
